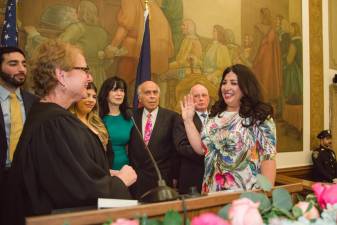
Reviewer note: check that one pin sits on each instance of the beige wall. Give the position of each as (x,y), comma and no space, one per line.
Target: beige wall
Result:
(294,8)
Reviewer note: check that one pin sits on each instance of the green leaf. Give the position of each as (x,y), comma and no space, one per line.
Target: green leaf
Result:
(311,198)
(282,199)
(297,212)
(223,212)
(172,218)
(283,213)
(263,182)
(267,216)
(299,197)
(265,204)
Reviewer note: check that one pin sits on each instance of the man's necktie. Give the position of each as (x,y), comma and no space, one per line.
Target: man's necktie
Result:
(148,129)
(16,123)
(204,117)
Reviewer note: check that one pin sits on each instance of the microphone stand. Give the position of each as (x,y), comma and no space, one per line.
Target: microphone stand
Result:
(162,192)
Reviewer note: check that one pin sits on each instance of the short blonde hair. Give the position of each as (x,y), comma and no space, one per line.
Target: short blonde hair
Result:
(46,58)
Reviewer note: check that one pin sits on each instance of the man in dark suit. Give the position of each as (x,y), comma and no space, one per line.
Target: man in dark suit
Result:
(324,159)
(192,164)
(13,73)
(157,126)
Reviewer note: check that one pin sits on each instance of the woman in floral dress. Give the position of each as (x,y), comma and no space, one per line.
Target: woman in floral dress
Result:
(239,138)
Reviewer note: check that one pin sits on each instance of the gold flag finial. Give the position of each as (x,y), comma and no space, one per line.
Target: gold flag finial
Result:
(146,4)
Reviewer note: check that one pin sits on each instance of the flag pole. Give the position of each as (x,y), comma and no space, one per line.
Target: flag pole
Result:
(144,63)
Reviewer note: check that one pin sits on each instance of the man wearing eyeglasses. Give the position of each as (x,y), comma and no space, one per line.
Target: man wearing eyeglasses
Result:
(192,165)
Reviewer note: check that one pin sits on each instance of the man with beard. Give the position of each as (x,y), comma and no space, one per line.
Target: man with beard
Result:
(15,103)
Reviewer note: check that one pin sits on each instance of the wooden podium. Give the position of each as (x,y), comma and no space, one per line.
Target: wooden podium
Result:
(210,203)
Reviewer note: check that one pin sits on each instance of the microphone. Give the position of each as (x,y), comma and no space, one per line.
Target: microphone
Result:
(162,192)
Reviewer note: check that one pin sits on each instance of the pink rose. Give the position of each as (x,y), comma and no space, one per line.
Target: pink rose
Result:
(311,214)
(244,212)
(125,222)
(325,194)
(209,219)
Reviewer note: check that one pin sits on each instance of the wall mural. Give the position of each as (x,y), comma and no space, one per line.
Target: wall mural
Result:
(192,41)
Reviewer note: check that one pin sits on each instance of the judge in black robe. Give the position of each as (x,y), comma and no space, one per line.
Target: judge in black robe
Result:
(59,163)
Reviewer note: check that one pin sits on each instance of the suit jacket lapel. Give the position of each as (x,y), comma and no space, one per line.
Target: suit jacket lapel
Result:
(2,121)
(138,119)
(157,125)
(197,121)
(26,101)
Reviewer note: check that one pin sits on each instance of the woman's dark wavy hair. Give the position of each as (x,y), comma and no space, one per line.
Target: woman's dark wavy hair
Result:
(251,106)
(113,83)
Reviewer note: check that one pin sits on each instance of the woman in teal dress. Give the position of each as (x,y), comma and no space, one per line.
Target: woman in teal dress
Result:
(113,104)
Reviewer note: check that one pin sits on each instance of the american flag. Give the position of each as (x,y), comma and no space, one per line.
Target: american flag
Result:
(9,35)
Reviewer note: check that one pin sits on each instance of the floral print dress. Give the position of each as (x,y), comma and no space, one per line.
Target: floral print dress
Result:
(233,152)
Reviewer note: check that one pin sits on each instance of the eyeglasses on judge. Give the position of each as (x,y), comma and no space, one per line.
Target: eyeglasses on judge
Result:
(84,69)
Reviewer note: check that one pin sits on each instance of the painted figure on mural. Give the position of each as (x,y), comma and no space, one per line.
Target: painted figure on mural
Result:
(86,33)
(173,10)
(233,47)
(267,60)
(245,55)
(293,82)
(129,34)
(217,56)
(188,58)
(190,51)
(282,30)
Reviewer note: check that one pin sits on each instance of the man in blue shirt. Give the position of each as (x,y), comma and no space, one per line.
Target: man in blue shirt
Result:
(13,73)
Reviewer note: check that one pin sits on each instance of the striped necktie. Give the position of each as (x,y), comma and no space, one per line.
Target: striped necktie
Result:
(16,123)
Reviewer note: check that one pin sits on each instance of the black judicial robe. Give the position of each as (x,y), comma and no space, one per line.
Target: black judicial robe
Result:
(58,163)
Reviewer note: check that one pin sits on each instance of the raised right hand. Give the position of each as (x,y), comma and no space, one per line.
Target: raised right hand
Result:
(187,108)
